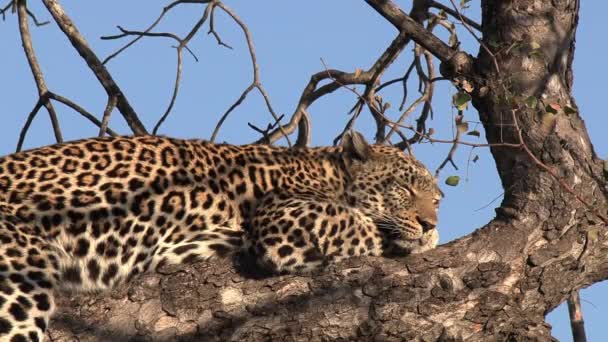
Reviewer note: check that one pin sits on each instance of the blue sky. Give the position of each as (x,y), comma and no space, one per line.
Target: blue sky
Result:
(290,39)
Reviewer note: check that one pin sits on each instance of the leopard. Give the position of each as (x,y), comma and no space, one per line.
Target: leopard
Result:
(90,214)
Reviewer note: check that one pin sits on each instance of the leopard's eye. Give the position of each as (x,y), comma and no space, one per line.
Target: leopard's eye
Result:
(405,188)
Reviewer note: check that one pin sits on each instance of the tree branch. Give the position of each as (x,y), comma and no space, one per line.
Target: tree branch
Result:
(339,79)
(455,14)
(26,40)
(165,10)
(404,23)
(255,83)
(576,318)
(96,66)
(83,111)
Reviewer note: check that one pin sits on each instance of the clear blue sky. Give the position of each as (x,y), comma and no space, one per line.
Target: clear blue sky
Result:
(290,38)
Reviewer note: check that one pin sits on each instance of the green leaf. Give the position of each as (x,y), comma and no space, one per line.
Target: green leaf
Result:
(452,180)
(461,100)
(569,110)
(531,102)
(606,169)
(474,133)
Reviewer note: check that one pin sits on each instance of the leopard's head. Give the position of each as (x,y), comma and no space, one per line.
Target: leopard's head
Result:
(394,189)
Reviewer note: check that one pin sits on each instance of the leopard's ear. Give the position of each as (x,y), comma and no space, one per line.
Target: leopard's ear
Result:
(355,147)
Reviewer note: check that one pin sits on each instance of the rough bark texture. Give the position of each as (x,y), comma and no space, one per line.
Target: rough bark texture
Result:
(495,284)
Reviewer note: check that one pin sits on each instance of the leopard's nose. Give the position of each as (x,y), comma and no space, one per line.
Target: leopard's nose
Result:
(426,224)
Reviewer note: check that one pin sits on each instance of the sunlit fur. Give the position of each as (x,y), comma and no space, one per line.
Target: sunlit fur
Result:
(89,214)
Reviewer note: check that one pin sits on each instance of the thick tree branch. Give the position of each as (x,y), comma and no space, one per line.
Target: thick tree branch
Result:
(404,23)
(99,70)
(577,323)
(454,62)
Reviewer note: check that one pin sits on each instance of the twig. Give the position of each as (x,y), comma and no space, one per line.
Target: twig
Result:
(386,59)
(403,78)
(214,33)
(427,108)
(79,110)
(106,115)
(450,156)
(28,122)
(491,201)
(230,109)
(269,127)
(11,5)
(152,26)
(178,77)
(454,13)
(36,22)
(426,98)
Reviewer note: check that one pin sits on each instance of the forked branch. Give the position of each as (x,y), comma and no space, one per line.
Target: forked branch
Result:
(28,48)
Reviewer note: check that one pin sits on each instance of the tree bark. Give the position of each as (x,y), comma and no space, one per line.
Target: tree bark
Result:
(497,283)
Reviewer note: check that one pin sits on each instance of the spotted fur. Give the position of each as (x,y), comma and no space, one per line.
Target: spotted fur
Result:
(89,214)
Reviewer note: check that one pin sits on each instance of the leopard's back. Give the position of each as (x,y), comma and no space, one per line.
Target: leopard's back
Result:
(91,213)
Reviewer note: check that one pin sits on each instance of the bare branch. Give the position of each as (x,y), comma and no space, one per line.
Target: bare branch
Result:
(450,157)
(52,96)
(11,5)
(28,122)
(152,26)
(213,32)
(576,318)
(106,115)
(38,23)
(256,83)
(340,78)
(230,109)
(178,76)
(456,14)
(28,48)
(80,111)
(425,99)
(125,33)
(269,127)
(96,66)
